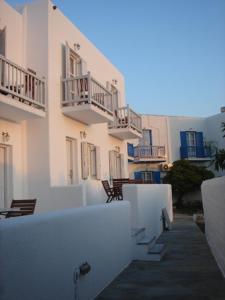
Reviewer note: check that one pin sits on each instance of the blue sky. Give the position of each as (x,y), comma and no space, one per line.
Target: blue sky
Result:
(171,52)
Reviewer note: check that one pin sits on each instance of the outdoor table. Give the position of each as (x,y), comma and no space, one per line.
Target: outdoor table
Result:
(4,211)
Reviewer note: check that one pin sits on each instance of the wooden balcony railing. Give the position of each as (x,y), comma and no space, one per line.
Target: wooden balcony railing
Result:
(148,152)
(86,90)
(125,117)
(21,84)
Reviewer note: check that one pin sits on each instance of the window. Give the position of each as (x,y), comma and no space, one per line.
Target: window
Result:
(90,161)
(146,139)
(153,176)
(71,155)
(2,41)
(116,164)
(192,144)
(75,65)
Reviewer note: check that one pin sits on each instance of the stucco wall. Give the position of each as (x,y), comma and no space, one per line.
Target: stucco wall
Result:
(38,32)
(14,24)
(17,143)
(147,202)
(40,253)
(213,192)
(177,124)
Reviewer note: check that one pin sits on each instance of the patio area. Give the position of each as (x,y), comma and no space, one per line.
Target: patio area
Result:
(188,271)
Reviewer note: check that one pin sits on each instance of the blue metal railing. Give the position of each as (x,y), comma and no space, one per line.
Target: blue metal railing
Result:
(195,152)
(141,152)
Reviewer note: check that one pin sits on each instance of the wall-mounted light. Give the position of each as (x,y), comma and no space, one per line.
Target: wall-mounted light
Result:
(117,148)
(83,134)
(114,81)
(76,47)
(5,136)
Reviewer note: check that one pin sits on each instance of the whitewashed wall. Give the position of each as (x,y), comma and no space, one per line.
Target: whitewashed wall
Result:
(215,135)
(14,23)
(179,123)
(147,202)
(17,142)
(39,253)
(213,192)
(34,38)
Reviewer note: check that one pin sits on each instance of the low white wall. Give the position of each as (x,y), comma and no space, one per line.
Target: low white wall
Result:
(39,253)
(147,201)
(213,192)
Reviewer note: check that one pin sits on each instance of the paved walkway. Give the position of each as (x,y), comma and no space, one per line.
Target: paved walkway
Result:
(187,272)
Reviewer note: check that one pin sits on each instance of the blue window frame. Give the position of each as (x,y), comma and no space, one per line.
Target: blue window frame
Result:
(192,144)
(154,176)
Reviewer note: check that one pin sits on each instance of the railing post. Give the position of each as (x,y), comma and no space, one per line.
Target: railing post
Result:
(128,115)
(89,87)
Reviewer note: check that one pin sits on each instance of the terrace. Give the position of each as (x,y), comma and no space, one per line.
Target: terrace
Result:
(22,93)
(126,124)
(149,153)
(86,100)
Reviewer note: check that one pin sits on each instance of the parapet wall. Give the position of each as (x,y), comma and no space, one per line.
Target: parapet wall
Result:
(39,253)
(213,196)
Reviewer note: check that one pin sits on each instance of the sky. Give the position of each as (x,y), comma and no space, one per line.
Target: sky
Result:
(171,52)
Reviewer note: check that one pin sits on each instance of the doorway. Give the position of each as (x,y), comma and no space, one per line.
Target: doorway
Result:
(5,175)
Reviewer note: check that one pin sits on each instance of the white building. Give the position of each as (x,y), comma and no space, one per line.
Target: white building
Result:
(170,138)
(63,117)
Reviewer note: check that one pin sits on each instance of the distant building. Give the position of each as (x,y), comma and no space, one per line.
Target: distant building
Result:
(170,138)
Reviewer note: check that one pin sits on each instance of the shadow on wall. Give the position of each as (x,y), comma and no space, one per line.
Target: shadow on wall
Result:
(213,192)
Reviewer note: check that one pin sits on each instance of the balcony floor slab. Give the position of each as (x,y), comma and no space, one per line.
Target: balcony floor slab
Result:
(125,133)
(87,114)
(16,111)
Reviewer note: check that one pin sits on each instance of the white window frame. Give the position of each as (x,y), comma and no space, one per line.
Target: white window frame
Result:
(90,161)
(116,164)
(73,161)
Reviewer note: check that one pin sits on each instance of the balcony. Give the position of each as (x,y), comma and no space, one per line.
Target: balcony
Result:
(126,124)
(195,153)
(22,93)
(149,153)
(86,100)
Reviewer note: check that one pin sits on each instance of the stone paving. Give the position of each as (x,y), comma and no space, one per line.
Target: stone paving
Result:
(188,271)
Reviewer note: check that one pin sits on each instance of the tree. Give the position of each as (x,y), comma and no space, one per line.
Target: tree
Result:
(186,177)
(219,159)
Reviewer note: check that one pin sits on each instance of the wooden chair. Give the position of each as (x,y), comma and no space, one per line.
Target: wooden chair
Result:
(26,207)
(117,186)
(110,192)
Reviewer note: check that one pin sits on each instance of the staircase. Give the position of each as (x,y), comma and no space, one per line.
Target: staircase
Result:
(146,247)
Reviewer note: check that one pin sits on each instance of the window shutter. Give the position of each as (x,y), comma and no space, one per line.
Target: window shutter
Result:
(84,159)
(98,163)
(130,149)
(2,41)
(156,177)
(67,61)
(137,175)
(122,167)
(112,163)
(83,67)
(199,144)
(183,142)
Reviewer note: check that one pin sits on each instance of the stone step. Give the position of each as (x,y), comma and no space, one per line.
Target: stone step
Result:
(142,247)
(157,252)
(137,234)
